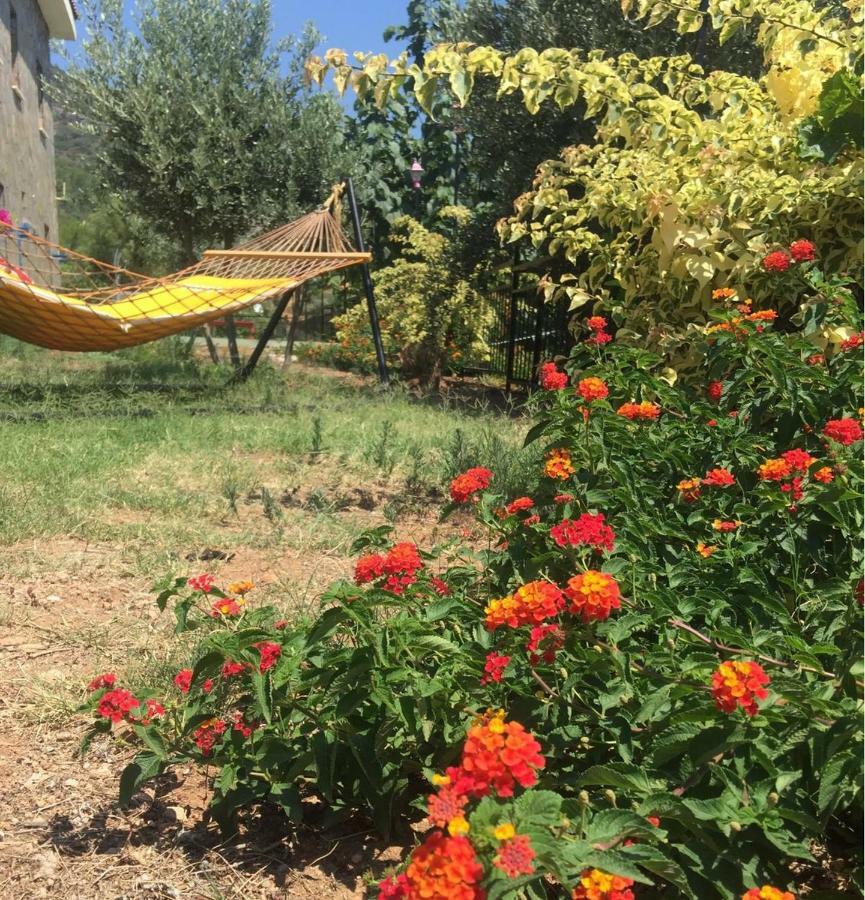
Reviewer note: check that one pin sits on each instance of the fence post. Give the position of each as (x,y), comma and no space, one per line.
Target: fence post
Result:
(512,324)
(539,336)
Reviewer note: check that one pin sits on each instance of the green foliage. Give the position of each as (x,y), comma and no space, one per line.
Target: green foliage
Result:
(432,317)
(369,699)
(200,132)
(692,175)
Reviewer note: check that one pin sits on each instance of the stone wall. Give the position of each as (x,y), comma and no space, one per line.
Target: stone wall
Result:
(27,181)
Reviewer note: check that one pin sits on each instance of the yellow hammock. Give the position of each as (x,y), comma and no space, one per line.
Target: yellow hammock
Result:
(86,305)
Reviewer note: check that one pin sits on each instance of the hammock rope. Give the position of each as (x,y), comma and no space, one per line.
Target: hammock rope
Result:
(63,300)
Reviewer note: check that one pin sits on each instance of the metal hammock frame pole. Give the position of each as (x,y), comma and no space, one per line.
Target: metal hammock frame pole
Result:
(384,378)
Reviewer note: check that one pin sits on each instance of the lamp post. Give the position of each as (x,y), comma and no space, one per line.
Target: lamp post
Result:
(415,173)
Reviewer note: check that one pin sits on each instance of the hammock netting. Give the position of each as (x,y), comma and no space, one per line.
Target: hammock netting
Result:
(59,299)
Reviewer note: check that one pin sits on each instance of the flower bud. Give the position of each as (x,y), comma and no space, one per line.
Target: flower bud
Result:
(772,799)
(583,797)
(584,741)
(735,826)
(610,795)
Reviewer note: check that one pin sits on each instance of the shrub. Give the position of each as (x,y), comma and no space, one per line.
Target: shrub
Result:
(432,317)
(669,612)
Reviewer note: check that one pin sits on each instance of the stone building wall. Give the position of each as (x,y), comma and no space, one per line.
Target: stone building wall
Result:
(27,180)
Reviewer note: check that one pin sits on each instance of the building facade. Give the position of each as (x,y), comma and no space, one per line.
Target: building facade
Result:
(27,180)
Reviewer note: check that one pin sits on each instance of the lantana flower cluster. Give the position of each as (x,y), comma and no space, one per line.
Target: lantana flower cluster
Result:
(393,571)
(779,261)
(739,683)
(467,486)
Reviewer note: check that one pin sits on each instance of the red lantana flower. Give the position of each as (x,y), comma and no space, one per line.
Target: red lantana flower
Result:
(551,378)
(519,504)
(558,464)
(592,388)
(596,323)
(498,756)
(589,530)
(844,431)
(270,654)
(853,342)
(515,856)
(825,475)
(598,885)
(107,680)
(739,683)
(799,460)
(203,583)
(802,250)
(117,704)
(530,604)
(714,390)
(593,595)
(444,868)
(689,489)
(231,668)
(494,668)
(183,680)
(544,642)
(778,261)
(466,487)
(774,470)
(767,892)
(644,411)
(599,338)
(719,478)
(226,606)
(206,734)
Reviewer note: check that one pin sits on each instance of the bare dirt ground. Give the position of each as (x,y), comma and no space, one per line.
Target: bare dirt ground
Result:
(69,612)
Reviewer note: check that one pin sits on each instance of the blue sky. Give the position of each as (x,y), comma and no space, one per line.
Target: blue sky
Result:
(349,25)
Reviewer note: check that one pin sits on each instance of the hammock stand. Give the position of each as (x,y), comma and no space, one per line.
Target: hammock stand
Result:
(101,307)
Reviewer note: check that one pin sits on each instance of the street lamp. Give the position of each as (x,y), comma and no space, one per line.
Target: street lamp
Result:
(415,172)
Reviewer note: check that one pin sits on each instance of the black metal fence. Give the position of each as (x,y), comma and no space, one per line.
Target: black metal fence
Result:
(526,329)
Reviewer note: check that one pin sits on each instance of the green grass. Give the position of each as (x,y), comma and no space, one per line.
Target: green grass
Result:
(151,450)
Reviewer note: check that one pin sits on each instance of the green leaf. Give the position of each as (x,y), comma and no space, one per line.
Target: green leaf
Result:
(620,775)
(538,808)
(144,767)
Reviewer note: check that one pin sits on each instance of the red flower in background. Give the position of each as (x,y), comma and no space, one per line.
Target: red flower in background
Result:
(714,390)
(519,504)
(515,856)
(689,489)
(106,680)
(117,704)
(719,478)
(270,654)
(639,411)
(778,261)
(444,868)
(852,342)
(231,668)
(551,378)
(588,530)
(598,885)
(544,642)
(592,388)
(739,683)
(530,604)
(802,250)
(494,668)
(226,606)
(799,460)
(558,464)
(825,475)
(498,756)
(183,680)
(774,470)
(465,487)
(596,323)
(203,583)
(439,586)
(593,595)
(816,359)
(206,734)
(767,892)
(844,431)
